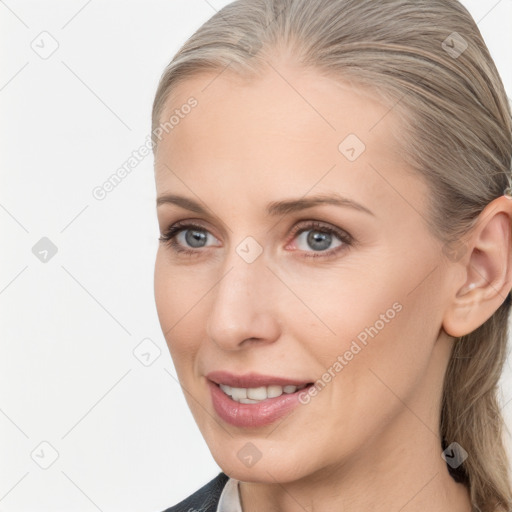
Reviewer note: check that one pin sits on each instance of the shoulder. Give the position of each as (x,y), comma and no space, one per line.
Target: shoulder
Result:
(204,499)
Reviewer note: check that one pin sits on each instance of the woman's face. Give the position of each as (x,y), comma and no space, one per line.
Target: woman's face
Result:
(347,295)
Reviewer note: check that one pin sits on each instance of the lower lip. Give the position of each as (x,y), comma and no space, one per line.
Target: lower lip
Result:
(253,415)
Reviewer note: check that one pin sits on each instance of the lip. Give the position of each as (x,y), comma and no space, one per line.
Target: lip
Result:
(252,415)
(252,380)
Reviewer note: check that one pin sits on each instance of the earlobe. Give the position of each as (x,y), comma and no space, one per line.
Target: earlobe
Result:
(464,314)
(487,271)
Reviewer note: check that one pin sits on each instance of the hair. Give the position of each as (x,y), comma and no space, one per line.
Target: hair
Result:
(427,60)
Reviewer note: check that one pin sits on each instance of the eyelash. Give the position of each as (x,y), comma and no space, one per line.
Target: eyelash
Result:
(169,238)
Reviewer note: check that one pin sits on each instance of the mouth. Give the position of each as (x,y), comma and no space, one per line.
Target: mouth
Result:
(259,394)
(252,399)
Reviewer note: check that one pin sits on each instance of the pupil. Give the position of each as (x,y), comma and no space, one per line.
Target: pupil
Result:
(192,237)
(323,238)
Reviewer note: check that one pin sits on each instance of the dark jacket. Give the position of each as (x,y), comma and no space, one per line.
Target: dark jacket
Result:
(205,499)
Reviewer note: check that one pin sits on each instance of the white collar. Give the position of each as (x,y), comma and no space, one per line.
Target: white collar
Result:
(229,500)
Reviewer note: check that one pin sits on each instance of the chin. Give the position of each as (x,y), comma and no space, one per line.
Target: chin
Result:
(270,469)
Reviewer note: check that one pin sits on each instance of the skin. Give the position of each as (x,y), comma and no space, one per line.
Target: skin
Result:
(370,439)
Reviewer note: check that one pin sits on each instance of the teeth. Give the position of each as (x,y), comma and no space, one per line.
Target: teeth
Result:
(238,393)
(226,389)
(274,391)
(248,401)
(256,395)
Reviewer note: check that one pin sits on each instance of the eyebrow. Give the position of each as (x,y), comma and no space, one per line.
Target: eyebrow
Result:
(274,208)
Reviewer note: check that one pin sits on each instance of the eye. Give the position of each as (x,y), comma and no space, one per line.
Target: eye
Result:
(324,240)
(320,240)
(180,236)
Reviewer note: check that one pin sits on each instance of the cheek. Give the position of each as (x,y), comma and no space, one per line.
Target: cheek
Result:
(386,356)
(361,334)
(177,300)
(364,384)
(342,306)
(165,296)
(178,290)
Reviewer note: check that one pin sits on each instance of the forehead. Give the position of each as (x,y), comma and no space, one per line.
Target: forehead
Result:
(294,102)
(289,128)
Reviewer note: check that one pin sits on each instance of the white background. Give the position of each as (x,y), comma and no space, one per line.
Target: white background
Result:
(125,438)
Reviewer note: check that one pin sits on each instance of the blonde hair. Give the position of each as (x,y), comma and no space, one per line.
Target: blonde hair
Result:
(427,60)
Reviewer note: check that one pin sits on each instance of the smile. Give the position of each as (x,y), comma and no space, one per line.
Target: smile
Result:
(259,394)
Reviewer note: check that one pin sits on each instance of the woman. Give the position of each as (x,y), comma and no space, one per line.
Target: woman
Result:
(332,281)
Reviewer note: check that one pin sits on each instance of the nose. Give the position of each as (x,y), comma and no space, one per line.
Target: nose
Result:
(244,307)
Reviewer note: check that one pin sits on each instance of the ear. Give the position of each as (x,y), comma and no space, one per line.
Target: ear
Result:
(486,277)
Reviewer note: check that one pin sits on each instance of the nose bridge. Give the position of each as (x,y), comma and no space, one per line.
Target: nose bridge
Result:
(242,305)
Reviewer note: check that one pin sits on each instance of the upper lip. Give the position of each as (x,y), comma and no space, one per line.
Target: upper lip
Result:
(252,380)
